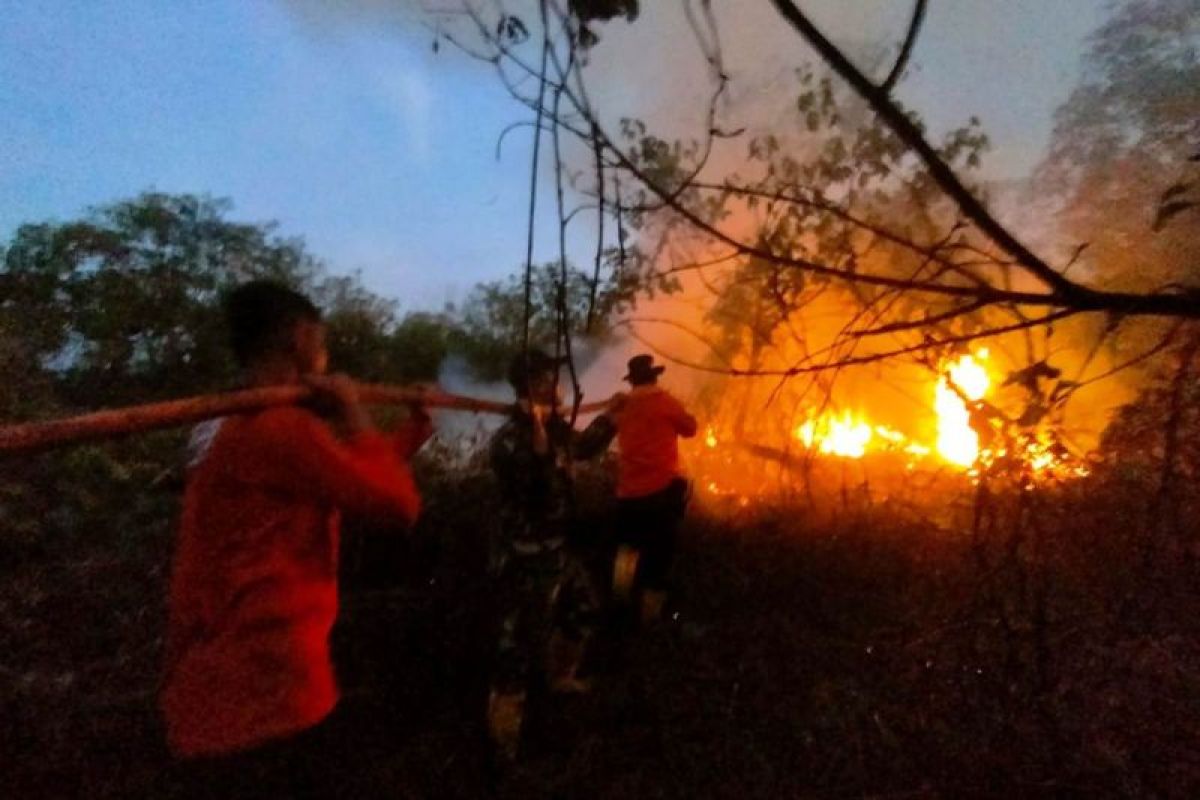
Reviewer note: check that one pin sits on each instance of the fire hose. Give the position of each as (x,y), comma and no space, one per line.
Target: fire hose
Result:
(42,435)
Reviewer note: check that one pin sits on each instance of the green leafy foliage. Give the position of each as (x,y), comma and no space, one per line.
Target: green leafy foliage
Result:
(124,306)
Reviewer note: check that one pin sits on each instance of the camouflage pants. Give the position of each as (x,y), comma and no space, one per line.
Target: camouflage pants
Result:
(540,594)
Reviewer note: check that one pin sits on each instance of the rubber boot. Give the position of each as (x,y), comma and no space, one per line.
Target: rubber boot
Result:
(652,606)
(506,711)
(563,658)
(624,572)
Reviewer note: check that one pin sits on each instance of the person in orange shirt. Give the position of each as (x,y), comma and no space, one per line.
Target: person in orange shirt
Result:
(651,490)
(247,679)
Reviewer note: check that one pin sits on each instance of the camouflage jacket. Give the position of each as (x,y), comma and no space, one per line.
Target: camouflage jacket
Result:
(537,500)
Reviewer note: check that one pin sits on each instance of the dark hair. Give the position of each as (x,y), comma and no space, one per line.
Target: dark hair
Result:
(262,315)
(526,366)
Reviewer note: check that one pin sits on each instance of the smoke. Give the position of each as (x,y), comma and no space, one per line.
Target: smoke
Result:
(459,431)
(599,366)
(656,69)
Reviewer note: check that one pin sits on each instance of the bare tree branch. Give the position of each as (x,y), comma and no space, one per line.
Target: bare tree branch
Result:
(533,173)
(598,149)
(914,29)
(923,322)
(844,214)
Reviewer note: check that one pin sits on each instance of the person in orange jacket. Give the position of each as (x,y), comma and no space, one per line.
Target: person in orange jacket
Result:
(248,681)
(651,490)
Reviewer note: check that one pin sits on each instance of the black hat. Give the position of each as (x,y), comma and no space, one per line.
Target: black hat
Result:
(642,369)
(525,366)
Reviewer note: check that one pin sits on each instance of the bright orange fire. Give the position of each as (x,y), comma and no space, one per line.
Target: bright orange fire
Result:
(851,436)
(847,434)
(838,436)
(963,379)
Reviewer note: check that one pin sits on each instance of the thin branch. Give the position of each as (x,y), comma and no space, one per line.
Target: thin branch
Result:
(711,49)
(1145,355)
(598,150)
(620,215)
(671,323)
(509,129)
(914,29)
(697,266)
(924,346)
(711,131)
(838,348)
(992,295)
(1065,295)
(908,325)
(533,173)
(844,214)
(670,198)
(564,314)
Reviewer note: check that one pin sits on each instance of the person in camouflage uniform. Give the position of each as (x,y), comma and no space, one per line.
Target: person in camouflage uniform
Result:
(547,602)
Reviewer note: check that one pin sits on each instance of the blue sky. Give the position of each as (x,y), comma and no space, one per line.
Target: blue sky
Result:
(354,135)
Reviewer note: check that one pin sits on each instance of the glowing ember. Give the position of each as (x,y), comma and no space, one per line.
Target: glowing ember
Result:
(710,438)
(1042,455)
(964,379)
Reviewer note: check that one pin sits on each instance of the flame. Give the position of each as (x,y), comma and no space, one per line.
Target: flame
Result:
(962,380)
(890,435)
(1041,454)
(730,476)
(837,436)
